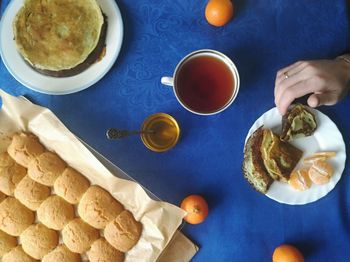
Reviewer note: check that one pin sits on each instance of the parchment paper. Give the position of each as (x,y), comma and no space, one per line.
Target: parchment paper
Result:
(160,219)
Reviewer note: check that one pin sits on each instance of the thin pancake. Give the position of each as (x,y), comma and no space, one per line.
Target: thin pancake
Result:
(58,35)
(253,166)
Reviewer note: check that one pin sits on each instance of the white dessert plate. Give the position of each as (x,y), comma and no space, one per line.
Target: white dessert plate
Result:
(28,77)
(326,138)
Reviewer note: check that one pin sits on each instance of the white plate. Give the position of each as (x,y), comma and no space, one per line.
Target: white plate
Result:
(65,85)
(326,138)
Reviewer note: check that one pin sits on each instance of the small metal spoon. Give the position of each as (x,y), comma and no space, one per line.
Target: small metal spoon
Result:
(114,133)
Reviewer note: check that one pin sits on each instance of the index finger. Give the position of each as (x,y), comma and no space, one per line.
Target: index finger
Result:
(289,94)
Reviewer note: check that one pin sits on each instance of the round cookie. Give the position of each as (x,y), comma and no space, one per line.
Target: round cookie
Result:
(24,147)
(78,235)
(97,207)
(14,217)
(55,212)
(6,160)
(7,242)
(2,196)
(17,255)
(38,240)
(10,177)
(101,251)
(123,232)
(71,185)
(46,168)
(62,254)
(30,193)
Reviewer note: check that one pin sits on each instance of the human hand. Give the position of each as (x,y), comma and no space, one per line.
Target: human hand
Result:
(327,82)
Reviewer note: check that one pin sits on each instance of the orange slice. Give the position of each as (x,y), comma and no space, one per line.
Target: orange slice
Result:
(320,172)
(300,179)
(319,156)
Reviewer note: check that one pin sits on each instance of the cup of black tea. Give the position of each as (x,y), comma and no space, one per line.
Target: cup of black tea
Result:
(205,82)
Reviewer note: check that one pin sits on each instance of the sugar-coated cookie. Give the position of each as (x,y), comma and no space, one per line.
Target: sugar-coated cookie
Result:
(97,207)
(123,232)
(17,255)
(38,240)
(2,197)
(31,193)
(7,242)
(6,160)
(46,168)
(14,217)
(10,177)
(101,251)
(55,212)
(78,236)
(24,147)
(62,254)
(71,185)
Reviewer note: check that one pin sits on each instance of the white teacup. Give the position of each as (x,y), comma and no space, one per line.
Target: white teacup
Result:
(205,82)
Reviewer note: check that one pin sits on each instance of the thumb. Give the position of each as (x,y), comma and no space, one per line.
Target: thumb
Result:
(316,100)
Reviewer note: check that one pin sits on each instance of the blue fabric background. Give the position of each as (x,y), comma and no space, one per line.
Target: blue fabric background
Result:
(264,36)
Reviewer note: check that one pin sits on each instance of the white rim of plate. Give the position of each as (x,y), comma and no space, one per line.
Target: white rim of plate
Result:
(273,120)
(108,7)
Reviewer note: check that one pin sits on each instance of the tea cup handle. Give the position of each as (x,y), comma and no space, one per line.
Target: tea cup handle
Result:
(167,80)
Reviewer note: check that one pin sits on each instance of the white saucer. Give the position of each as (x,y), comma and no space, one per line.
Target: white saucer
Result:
(24,74)
(327,137)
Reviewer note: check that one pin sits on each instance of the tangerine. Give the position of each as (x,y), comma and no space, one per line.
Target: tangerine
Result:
(196,208)
(287,253)
(219,12)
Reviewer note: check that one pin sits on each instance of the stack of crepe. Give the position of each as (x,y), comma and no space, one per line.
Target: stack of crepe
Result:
(268,157)
(60,37)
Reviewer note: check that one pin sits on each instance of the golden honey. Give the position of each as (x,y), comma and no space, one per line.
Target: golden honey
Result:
(161,132)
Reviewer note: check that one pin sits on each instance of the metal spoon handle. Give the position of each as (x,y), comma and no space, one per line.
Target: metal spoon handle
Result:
(114,133)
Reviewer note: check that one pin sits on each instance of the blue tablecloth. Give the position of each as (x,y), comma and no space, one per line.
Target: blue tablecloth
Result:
(264,36)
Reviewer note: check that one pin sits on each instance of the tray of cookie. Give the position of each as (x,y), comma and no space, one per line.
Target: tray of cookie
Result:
(59,202)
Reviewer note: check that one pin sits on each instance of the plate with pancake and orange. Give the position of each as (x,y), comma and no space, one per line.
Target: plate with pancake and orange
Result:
(295,159)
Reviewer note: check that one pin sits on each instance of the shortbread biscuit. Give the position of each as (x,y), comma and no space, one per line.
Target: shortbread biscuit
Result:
(46,168)
(71,185)
(6,160)
(123,232)
(55,212)
(97,207)
(31,193)
(10,177)
(78,236)
(17,254)
(101,251)
(2,196)
(7,242)
(24,147)
(38,240)
(14,217)
(62,254)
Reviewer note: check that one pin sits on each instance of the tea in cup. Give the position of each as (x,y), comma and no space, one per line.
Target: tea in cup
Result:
(205,82)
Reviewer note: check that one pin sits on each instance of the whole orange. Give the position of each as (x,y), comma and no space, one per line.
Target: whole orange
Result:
(219,12)
(196,208)
(287,253)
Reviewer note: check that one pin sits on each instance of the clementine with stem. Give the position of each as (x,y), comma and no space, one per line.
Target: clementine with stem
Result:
(196,208)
